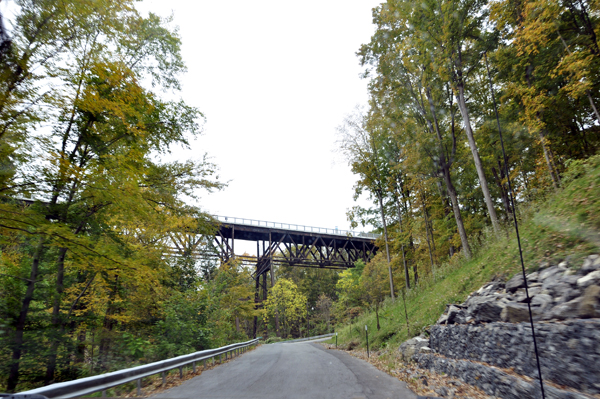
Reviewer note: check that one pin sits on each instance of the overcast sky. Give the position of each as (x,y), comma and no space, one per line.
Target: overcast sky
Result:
(274,80)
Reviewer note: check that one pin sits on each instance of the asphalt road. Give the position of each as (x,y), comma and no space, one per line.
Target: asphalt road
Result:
(295,370)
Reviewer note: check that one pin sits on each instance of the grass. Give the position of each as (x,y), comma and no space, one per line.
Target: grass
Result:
(565,226)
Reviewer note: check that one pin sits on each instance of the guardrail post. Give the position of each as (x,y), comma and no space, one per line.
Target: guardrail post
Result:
(104,393)
(180,372)
(194,367)
(367,334)
(221,358)
(204,365)
(213,360)
(139,387)
(164,377)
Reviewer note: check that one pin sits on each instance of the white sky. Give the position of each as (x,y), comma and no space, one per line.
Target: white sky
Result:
(274,80)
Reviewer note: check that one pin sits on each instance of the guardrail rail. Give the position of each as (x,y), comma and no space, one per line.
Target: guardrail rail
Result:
(305,339)
(97,383)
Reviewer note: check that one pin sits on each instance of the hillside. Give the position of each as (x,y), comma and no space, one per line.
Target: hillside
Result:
(564,226)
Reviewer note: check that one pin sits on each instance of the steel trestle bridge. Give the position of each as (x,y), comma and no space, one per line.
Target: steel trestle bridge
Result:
(293,245)
(281,244)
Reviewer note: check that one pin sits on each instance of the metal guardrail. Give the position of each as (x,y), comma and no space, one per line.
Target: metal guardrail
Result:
(306,339)
(295,227)
(88,385)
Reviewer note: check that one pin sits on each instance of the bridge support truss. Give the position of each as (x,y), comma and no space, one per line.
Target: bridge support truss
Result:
(292,248)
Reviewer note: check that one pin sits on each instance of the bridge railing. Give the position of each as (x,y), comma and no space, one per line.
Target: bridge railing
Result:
(97,383)
(295,227)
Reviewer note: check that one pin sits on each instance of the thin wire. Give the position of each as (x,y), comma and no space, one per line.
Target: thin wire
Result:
(512,201)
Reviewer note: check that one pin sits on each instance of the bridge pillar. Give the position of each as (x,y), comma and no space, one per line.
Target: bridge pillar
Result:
(256,306)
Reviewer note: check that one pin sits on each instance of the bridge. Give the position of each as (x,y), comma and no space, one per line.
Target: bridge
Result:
(281,244)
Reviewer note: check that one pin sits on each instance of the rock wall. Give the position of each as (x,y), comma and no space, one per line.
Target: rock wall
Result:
(493,381)
(492,328)
(569,351)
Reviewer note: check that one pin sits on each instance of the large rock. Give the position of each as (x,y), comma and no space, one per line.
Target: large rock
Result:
(515,313)
(541,301)
(412,346)
(591,278)
(521,295)
(487,309)
(555,286)
(566,310)
(515,283)
(549,272)
(568,295)
(590,264)
(533,277)
(443,319)
(456,315)
(590,302)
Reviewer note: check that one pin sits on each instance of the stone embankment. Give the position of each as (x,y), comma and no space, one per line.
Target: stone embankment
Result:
(487,342)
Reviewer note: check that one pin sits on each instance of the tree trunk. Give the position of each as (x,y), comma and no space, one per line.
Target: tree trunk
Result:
(503,192)
(387,249)
(406,277)
(427,238)
(17,349)
(457,215)
(462,105)
(56,320)
(108,325)
(377,315)
(548,158)
(445,165)
(277,332)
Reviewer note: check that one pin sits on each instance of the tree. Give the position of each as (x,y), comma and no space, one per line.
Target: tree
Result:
(286,300)
(103,201)
(373,285)
(359,143)
(324,308)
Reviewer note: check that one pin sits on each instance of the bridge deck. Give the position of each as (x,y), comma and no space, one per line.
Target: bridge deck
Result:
(291,236)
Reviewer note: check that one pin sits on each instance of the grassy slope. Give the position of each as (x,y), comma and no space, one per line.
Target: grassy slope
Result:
(565,225)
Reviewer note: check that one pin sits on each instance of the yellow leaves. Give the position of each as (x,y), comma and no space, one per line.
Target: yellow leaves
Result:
(287,300)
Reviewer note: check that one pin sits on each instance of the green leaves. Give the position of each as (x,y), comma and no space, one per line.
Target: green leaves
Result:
(286,301)
(83,137)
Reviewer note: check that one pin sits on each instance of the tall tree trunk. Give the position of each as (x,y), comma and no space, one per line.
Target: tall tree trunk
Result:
(277,332)
(108,325)
(462,106)
(548,157)
(406,277)
(17,347)
(503,191)
(56,320)
(385,236)
(377,314)
(445,165)
(457,215)
(427,237)
(411,241)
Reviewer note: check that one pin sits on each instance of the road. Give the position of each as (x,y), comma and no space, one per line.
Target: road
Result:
(293,370)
